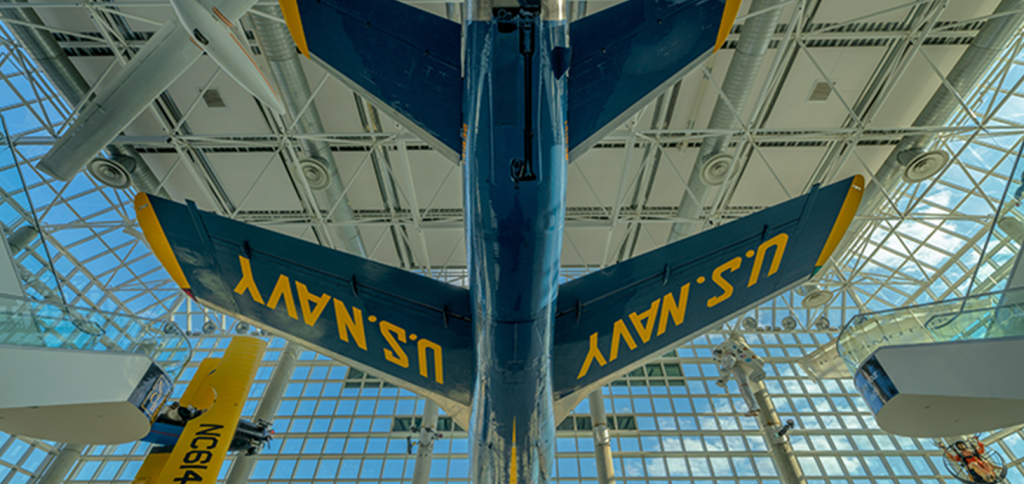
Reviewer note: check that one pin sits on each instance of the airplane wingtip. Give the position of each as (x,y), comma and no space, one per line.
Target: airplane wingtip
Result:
(732,7)
(157,239)
(843,219)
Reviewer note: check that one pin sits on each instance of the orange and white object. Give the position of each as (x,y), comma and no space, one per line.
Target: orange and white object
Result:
(211,31)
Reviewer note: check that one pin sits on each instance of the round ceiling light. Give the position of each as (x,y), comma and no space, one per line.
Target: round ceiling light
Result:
(822,323)
(816,298)
(789,323)
(315,172)
(109,173)
(209,327)
(749,323)
(925,166)
(716,169)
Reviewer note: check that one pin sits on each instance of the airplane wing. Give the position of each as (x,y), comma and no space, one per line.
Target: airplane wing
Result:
(405,59)
(408,329)
(164,58)
(200,451)
(626,55)
(153,69)
(611,321)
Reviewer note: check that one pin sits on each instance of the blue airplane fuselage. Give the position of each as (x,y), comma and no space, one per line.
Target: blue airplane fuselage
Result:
(515,161)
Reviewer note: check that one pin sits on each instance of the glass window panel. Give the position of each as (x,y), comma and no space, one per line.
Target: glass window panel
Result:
(393,468)
(568,467)
(328,469)
(677,466)
(699,467)
(809,466)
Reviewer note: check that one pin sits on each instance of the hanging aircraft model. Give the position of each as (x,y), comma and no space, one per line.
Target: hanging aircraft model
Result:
(516,352)
(195,449)
(200,26)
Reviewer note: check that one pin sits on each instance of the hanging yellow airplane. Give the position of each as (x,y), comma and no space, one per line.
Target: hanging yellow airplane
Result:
(218,392)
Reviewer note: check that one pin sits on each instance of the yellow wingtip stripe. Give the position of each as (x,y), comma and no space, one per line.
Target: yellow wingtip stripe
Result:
(290,10)
(844,219)
(157,239)
(732,7)
(513,472)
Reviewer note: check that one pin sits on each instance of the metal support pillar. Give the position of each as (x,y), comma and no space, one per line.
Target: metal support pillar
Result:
(425,449)
(61,464)
(241,469)
(602,442)
(778,445)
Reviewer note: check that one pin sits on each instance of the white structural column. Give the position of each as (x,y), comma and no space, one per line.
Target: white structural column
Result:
(61,464)
(241,469)
(602,441)
(778,445)
(425,449)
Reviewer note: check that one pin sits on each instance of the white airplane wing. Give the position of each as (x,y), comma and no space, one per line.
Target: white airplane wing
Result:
(163,59)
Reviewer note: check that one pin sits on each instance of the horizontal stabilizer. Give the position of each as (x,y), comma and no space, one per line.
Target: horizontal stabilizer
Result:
(611,321)
(407,329)
(406,59)
(626,55)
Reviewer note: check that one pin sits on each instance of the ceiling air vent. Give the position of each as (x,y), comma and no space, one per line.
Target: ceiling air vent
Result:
(820,92)
(213,100)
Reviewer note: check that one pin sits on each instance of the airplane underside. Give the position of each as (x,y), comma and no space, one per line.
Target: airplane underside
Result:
(513,354)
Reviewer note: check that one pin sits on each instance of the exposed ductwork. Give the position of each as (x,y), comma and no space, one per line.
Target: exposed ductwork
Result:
(286,69)
(991,40)
(65,76)
(756,36)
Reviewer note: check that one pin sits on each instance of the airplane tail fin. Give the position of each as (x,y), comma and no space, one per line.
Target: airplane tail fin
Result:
(624,56)
(613,320)
(406,59)
(408,329)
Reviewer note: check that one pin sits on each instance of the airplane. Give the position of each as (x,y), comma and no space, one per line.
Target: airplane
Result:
(151,71)
(194,450)
(514,353)
(223,46)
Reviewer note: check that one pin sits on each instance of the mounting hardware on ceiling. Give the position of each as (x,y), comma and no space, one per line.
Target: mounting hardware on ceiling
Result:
(315,171)
(716,169)
(813,296)
(213,99)
(922,165)
(822,323)
(749,323)
(789,323)
(820,91)
(110,173)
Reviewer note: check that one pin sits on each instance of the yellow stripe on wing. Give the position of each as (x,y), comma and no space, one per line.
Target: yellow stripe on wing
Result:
(157,239)
(844,219)
(513,472)
(732,7)
(290,10)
